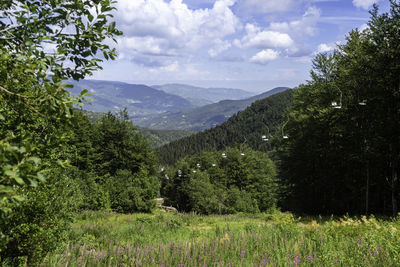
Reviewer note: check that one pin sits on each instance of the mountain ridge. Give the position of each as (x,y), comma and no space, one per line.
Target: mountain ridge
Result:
(201,118)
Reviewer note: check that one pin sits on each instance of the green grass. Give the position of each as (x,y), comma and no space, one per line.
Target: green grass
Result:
(278,239)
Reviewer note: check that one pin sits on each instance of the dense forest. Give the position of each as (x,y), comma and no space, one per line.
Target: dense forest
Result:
(253,126)
(343,153)
(330,146)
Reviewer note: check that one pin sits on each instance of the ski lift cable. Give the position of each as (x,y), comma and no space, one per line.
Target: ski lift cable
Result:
(283,127)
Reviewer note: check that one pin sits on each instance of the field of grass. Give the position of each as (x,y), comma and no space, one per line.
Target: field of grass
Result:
(277,239)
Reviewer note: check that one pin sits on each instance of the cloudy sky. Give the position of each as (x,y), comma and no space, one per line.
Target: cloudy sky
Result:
(250,44)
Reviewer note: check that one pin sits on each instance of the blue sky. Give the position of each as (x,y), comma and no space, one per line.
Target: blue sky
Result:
(250,44)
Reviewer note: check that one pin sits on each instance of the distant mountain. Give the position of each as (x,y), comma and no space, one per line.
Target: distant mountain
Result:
(252,127)
(137,98)
(199,96)
(201,118)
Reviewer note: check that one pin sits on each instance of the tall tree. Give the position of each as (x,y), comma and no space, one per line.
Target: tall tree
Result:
(343,150)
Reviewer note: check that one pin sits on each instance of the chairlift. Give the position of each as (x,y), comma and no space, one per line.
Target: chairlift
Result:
(285,136)
(362,103)
(337,105)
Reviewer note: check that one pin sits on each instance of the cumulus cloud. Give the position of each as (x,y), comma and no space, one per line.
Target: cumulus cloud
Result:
(365,4)
(166,28)
(219,47)
(258,38)
(324,48)
(265,56)
(306,26)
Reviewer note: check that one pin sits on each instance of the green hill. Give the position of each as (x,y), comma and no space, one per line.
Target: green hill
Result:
(263,117)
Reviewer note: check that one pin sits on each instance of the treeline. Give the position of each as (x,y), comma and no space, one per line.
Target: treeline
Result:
(113,164)
(262,118)
(343,151)
(221,182)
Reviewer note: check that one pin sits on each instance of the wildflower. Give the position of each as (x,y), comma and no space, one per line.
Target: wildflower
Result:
(297,260)
(242,253)
(309,258)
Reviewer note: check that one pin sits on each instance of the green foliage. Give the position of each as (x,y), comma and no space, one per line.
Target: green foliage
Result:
(115,165)
(132,192)
(42,43)
(40,223)
(344,157)
(263,117)
(235,180)
(35,109)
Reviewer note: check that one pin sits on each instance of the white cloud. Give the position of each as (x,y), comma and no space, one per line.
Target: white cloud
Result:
(162,27)
(324,48)
(306,26)
(265,56)
(258,38)
(220,46)
(363,27)
(365,4)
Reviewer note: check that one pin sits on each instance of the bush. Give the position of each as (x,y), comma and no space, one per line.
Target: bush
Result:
(132,192)
(40,223)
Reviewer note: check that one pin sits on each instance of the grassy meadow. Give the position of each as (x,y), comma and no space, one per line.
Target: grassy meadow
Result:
(276,239)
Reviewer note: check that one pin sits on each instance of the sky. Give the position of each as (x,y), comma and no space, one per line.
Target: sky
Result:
(254,45)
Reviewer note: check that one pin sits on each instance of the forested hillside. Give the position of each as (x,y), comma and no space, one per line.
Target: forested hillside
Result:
(262,118)
(201,118)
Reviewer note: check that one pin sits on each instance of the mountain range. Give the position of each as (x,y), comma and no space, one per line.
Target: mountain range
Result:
(199,96)
(137,98)
(201,118)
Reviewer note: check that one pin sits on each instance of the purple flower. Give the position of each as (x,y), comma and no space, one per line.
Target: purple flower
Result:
(297,260)
(309,258)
